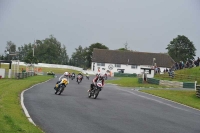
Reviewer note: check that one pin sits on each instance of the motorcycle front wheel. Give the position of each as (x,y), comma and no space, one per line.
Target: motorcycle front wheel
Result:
(57,90)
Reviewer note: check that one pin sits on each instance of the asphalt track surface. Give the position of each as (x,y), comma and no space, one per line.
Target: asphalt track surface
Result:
(116,110)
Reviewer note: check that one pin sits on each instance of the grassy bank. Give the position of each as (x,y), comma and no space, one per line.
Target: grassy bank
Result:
(131,82)
(181,96)
(184,75)
(12,117)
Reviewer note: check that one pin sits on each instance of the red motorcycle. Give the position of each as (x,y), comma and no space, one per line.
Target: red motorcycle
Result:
(79,78)
(96,89)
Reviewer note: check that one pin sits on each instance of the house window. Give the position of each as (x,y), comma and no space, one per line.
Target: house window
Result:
(118,65)
(100,64)
(134,66)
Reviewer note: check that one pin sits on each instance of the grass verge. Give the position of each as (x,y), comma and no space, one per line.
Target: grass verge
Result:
(185,97)
(132,82)
(12,117)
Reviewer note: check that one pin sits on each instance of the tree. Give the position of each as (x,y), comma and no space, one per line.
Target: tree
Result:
(125,47)
(30,59)
(2,57)
(122,49)
(79,56)
(48,50)
(181,49)
(10,49)
(90,51)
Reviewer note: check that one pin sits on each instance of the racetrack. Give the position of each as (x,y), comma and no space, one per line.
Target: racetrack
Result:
(116,110)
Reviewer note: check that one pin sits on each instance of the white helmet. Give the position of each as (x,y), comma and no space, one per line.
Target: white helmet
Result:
(101,75)
(66,74)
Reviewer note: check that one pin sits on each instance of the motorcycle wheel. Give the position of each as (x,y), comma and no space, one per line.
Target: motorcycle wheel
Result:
(62,89)
(57,90)
(89,94)
(96,93)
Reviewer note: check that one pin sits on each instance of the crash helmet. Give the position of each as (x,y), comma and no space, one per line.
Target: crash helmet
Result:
(66,74)
(101,76)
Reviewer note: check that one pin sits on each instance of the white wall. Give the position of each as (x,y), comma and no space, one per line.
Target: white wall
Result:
(56,66)
(2,72)
(127,68)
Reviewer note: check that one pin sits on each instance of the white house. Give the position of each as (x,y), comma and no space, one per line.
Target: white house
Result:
(128,61)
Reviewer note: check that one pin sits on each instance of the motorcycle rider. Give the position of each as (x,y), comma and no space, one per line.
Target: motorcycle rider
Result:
(87,75)
(73,75)
(94,81)
(80,73)
(65,75)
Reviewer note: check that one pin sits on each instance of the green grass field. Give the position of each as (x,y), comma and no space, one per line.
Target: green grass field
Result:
(185,97)
(12,117)
(132,82)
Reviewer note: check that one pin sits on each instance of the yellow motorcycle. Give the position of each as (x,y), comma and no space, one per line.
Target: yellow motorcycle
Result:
(61,86)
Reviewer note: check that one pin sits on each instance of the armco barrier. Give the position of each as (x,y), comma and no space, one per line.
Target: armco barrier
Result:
(140,80)
(153,81)
(188,85)
(198,91)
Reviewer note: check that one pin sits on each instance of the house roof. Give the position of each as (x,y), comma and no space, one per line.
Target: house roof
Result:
(131,57)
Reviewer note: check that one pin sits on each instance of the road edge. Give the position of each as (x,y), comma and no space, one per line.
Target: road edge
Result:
(133,89)
(22,102)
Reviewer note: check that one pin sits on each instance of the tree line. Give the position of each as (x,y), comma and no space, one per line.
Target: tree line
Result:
(51,51)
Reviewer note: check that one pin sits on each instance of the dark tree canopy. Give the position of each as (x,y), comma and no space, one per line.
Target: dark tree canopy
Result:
(181,48)
(48,50)
(82,56)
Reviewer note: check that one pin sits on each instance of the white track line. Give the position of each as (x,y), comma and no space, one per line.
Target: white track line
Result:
(22,102)
(158,100)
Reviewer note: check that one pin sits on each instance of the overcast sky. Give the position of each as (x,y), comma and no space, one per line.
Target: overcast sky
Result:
(146,25)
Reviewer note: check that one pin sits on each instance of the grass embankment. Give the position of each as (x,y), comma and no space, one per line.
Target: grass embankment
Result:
(184,75)
(44,69)
(132,82)
(186,97)
(12,117)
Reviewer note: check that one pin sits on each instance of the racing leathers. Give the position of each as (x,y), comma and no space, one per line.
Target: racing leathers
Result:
(78,76)
(60,79)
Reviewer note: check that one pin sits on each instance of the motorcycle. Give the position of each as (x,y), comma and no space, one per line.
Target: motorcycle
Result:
(95,91)
(87,76)
(60,88)
(72,77)
(79,78)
